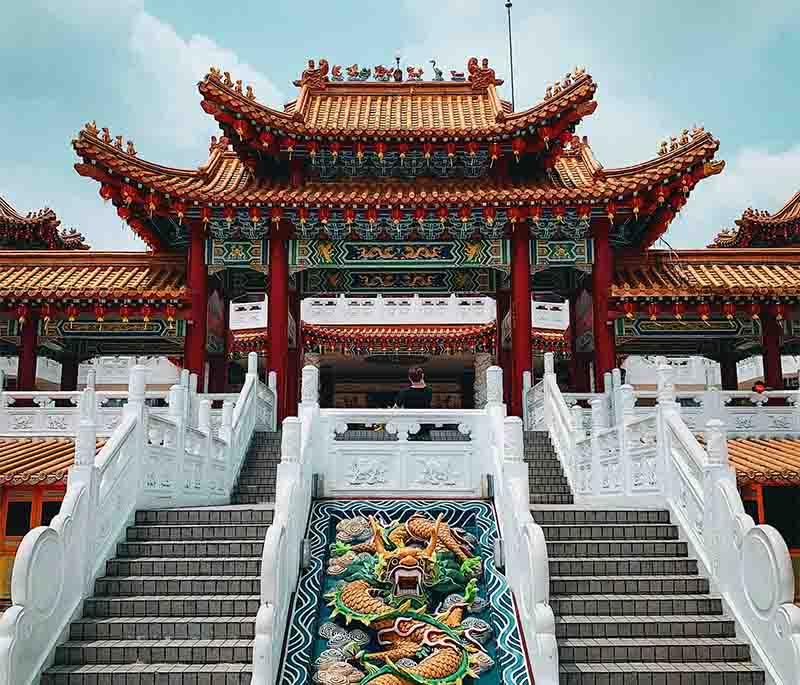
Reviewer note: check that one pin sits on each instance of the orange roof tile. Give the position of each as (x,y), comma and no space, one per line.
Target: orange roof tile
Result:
(758,226)
(765,459)
(704,273)
(577,177)
(36,228)
(91,276)
(36,460)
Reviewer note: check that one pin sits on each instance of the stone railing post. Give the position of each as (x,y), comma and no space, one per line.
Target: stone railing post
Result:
(226,427)
(252,364)
(625,405)
(177,412)
(716,469)
(84,472)
(483,360)
(549,376)
(191,405)
(136,408)
(577,422)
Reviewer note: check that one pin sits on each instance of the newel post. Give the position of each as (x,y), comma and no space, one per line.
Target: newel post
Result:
(252,364)
(84,472)
(135,408)
(226,428)
(600,421)
(626,403)
(716,470)
(177,412)
(191,405)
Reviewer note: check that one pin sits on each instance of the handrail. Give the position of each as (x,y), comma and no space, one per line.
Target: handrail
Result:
(146,462)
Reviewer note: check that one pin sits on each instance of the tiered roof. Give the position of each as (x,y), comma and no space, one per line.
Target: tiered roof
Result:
(759,228)
(35,230)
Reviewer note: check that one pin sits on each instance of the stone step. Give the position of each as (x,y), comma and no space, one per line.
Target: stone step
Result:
(130,586)
(213,515)
(174,566)
(164,628)
(209,548)
(643,673)
(550,498)
(635,605)
(538,488)
(617,548)
(148,674)
(157,606)
(612,627)
(255,489)
(252,499)
(539,483)
(623,531)
(544,470)
(267,481)
(623,566)
(186,533)
(628,585)
(154,652)
(637,650)
(573,516)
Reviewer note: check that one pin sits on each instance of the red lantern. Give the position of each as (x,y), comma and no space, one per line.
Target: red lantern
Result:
(611,211)
(427,151)
(349,215)
(147,313)
(229,214)
(472,148)
(380,149)
(99,312)
(442,214)
(179,207)
(451,152)
(288,144)
(546,133)
(679,308)
(513,214)
(652,310)
(242,128)
(403,150)
(397,215)
(558,213)
(172,312)
(636,205)
(523,212)
(324,215)
(778,310)
(313,148)
(275,215)
(129,195)
(372,215)
(629,307)
(302,215)
(687,182)
(255,215)
(23,313)
(464,213)
(518,146)
(755,310)
(125,313)
(124,213)
(205,214)
(704,310)
(729,310)
(494,153)
(335,147)
(565,138)
(360,151)
(661,197)
(72,312)
(536,214)
(419,215)
(106,192)
(266,139)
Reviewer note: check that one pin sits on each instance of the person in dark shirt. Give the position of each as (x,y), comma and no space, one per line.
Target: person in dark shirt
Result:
(416,396)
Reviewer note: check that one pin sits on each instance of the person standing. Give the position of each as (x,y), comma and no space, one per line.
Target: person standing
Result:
(418,395)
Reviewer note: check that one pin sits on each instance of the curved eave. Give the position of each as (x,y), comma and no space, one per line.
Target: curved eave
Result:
(224,103)
(763,228)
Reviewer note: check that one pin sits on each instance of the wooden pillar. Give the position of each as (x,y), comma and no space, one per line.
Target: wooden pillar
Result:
(729,378)
(520,314)
(26,355)
(278,317)
(771,351)
(69,373)
(602,274)
(195,343)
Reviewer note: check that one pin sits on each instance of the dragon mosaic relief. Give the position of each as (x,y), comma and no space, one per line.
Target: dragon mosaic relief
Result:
(409,589)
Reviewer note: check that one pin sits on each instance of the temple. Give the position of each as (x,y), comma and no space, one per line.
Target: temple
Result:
(379,221)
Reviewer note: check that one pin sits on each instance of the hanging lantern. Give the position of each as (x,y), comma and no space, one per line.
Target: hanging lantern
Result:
(335,148)
(171,311)
(565,138)
(427,151)
(611,211)
(472,149)
(288,144)
(128,194)
(147,313)
(558,213)
(729,310)
(704,310)
(23,314)
(778,310)
(536,214)
(360,151)
(275,215)
(629,307)
(652,310)
(518,146)
(302,215)
(179,207)
(125,313)
(99,312)
(584,212)
(677,201)
(687,182)
(494,153)
(546,132)
(489,214)
(242,128)
(397,215)
(205,215)
(313,148)
(349,215)
(464,214)
(403,150)
(324,215)
(755,310)
(679,309)
(419,215)
(72,312)
(636,205)
(267,140)
(513,215)
(451,152)
(106,192)
(661,197)
(255,215)
(442,214)
(124,213)
(229,214)
(152,203)
(372,215)
(380,150)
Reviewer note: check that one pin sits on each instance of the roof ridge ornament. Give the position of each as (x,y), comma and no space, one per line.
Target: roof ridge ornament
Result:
(314,76)
(568,81)
(686,137)
(481,76)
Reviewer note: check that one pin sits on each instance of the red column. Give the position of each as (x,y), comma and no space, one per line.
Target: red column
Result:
(503,357)
(771,352)
(26,355)
(69,373)
(278,324)
(602,273)
(195,343)
(520,315)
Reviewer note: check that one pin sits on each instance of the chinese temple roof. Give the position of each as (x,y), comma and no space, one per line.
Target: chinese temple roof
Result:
(765,460)
(758,228)
(35,230)
(91,276)
(30,461)
(330,106)
(709,273)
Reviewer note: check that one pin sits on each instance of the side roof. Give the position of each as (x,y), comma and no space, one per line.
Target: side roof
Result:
(760,228)
(36,229)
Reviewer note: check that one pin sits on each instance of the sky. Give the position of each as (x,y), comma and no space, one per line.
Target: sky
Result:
(133,66)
